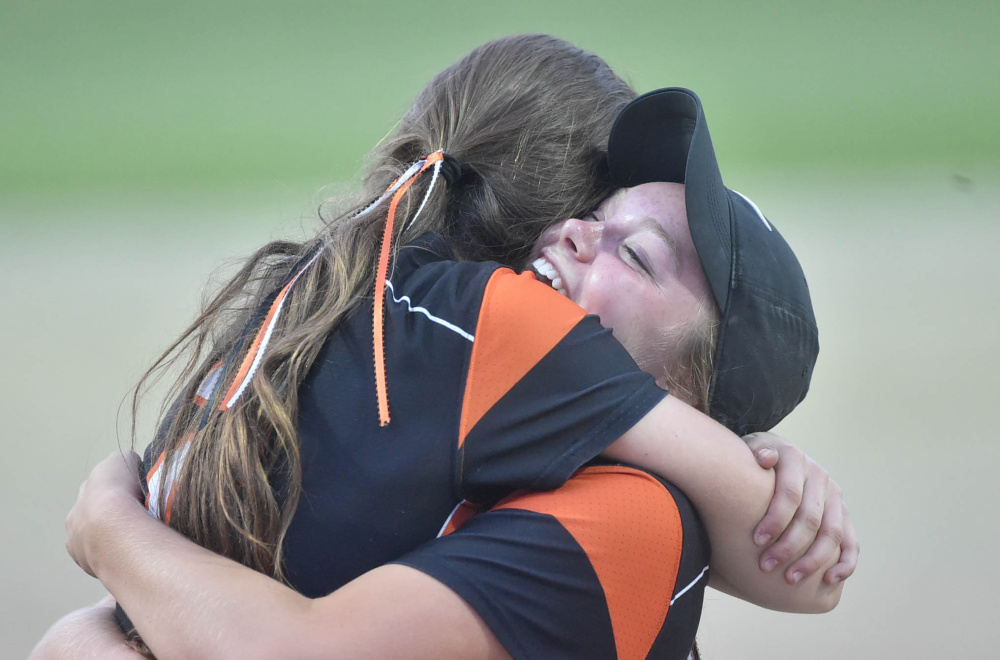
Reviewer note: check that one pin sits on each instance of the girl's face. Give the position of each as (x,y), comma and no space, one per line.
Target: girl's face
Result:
(631,262)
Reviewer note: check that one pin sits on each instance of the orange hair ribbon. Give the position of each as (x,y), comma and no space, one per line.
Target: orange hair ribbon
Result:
(378,315)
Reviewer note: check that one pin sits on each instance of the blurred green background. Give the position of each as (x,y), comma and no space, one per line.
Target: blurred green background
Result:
(105,96)
(144,144)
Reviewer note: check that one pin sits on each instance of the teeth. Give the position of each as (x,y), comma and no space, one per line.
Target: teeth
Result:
(544,267)
(546,270)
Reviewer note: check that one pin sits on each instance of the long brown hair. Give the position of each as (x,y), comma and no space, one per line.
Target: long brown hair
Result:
(528,119)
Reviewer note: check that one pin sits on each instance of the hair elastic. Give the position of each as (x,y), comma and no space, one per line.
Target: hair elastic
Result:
(451,169)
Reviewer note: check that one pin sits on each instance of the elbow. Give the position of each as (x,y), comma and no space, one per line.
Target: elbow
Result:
(829,600)
(824,599)
(812,596)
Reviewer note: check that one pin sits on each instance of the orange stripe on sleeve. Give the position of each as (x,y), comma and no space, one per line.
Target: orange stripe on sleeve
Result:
(629,525)
(520,321)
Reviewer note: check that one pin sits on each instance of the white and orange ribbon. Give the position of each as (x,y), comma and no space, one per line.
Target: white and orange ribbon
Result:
(160,480)
(378,314)
(251,361)
(253,357)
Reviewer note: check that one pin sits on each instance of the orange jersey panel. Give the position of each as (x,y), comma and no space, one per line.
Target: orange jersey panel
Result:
(519,323)
(637,571)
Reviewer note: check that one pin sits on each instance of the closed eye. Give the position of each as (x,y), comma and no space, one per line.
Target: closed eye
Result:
(634,256)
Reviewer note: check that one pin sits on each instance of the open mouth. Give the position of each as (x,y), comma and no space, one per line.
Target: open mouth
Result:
(547,273)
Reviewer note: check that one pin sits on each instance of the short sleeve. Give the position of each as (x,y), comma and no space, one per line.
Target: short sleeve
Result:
(547,389)
(612,565)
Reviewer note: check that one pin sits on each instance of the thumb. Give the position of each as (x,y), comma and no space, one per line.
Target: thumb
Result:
(763,451)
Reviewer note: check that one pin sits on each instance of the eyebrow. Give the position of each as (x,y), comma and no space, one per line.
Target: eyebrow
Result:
(650,223)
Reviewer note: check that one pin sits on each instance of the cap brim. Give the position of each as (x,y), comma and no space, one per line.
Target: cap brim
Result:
(663,136)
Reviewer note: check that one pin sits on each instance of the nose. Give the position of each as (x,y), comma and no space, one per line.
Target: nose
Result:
(580,238)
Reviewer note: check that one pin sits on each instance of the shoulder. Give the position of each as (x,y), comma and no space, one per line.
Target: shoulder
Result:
(608,565)
(603,506)
(647,549)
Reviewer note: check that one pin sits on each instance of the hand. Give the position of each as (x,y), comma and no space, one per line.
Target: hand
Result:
(112,485)
(807,515)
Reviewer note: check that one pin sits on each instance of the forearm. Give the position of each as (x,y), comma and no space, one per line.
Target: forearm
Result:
(188,602)
(86,634)
(731,492)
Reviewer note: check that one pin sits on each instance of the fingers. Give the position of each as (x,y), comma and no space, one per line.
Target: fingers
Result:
(790,479)
(849,551)
(804,527)
(121,462)
(118,472)
(74,541)
(132,461)
(114,480)
(763,449)
(780,513)
(807,515)
(828,541)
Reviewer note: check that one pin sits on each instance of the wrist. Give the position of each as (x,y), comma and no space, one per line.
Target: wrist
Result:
(117,516)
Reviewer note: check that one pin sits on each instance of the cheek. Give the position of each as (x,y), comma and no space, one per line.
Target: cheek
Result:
(686,306)
(650,327)
(645,344)
(600,298)
(634,320)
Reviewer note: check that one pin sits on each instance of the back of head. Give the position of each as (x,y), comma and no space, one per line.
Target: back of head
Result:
(528,118)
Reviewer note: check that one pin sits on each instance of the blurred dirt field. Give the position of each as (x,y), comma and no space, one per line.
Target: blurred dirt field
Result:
(904,278)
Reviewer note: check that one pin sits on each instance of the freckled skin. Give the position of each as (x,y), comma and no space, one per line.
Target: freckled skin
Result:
(633,263)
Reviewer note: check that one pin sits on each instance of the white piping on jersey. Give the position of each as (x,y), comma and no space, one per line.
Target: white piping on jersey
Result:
(409,305)
(448,519)
(690,584)
(759,214)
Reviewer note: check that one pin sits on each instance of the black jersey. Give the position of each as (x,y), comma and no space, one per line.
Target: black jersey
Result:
(496,383)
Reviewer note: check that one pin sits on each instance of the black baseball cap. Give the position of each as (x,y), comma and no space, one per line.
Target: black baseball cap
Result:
(768,339)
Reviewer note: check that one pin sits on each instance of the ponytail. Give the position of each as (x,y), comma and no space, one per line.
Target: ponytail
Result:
(524,122)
